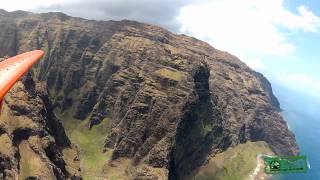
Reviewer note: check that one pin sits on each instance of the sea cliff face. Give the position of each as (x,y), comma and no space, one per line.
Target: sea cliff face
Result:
(171,101)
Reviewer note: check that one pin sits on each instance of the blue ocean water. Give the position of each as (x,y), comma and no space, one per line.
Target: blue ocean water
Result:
(302,113)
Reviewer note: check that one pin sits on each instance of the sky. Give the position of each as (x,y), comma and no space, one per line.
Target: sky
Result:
(279,38)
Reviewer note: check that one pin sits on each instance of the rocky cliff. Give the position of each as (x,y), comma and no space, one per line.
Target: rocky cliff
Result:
(171,101)
(32,139)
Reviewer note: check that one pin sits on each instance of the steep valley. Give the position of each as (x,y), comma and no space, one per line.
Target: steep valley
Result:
(127,100)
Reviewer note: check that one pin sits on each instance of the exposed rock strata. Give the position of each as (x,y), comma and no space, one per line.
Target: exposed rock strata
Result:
(32,139)
(173,100)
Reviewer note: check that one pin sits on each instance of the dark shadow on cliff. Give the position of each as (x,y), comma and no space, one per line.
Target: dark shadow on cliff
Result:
(199,130)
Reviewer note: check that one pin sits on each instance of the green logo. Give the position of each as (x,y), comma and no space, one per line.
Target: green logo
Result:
(290,164)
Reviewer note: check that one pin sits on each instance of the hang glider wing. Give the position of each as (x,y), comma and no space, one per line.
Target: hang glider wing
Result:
(12,69)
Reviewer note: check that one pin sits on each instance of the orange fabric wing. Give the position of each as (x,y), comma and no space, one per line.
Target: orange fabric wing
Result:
(12,69)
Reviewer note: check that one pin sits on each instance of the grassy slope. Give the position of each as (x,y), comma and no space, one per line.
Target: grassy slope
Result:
(91,144)
(94,163)
(234,164)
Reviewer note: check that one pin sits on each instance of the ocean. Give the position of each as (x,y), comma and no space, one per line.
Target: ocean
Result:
(302,113)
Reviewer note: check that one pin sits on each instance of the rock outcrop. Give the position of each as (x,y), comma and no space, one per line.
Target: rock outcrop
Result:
(173,100)
(32,138)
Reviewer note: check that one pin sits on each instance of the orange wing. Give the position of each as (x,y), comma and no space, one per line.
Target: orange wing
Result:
(12,69)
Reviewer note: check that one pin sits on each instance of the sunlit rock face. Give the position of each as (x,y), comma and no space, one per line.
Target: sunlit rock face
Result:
(32,139)
(173,101)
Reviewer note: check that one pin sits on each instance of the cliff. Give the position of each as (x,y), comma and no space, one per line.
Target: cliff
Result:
(171,101)
(33,141)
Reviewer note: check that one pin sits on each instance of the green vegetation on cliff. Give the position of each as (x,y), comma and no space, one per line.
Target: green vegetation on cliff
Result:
(90,143)
(234,164)
(173,99)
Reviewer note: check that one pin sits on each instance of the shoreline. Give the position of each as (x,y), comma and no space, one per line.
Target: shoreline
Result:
(258,172)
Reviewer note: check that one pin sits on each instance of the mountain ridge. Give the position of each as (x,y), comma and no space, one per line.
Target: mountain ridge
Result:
(161,91)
